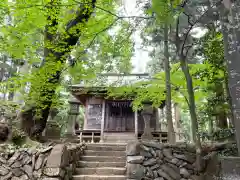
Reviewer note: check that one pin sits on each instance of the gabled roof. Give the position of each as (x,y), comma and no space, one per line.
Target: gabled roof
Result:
(82,92)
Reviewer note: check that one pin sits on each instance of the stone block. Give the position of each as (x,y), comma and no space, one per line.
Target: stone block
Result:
(135,159)
(54,172)
(133,148)
(52,130)
(163,174)
(58,157)
(3,171)
(167,153)
(153,144)
(184,172)
(39,162)
(170,171)
(230,167)
(150,162)
(212,165)
(28,170)
(135,171)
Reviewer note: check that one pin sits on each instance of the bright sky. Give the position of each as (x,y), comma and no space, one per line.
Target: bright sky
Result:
(140,58)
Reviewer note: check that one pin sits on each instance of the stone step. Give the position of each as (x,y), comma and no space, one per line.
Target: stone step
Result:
(106,147)
(101,171)
(119,140)
(106,144)
(98,177)
(100,164)
(104,153)
(104,158)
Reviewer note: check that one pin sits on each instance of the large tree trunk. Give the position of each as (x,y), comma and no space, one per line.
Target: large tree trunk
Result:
(229,99)
(34,117)
(229,16)
(171,134)
(4,132)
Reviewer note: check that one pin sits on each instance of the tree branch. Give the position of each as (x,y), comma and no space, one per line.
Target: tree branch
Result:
(92,41)
(193,24)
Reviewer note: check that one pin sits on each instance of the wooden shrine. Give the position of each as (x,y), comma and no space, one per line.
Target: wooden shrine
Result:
(112,119)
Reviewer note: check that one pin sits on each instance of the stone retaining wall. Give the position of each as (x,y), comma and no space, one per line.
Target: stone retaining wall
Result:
(150,160)
(230,168)
(54,162)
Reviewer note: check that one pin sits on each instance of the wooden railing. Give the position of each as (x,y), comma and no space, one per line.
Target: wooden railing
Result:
(159,136)
(89,135)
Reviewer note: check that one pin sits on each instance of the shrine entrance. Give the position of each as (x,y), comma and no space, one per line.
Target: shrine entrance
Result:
(119,117)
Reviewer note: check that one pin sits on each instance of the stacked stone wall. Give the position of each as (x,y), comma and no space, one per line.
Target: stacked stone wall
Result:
(53,162)
(150,160)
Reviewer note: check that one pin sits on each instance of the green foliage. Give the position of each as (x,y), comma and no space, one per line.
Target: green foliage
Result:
(165,10)
(154,90)
(212,48)
(38,33)
(18,137)
(8,109)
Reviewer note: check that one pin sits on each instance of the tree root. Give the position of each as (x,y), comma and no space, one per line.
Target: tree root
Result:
(217,146)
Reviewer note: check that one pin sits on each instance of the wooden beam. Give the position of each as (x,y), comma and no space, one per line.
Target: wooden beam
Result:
(103,120)
(85,116)
(158,128)
(136,123)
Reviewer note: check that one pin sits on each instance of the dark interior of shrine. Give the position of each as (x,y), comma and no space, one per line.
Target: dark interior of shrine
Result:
(120,109)
(119,116)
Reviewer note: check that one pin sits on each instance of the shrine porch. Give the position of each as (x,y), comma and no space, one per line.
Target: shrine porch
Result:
(94,136)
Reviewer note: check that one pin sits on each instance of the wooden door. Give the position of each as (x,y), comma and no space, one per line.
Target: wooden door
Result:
(119,119)
(129,120)
(111,120)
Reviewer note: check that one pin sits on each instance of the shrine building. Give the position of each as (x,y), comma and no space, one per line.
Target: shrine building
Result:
(111,119)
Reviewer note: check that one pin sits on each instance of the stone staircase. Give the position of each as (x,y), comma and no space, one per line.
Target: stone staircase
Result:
(102,162)
(119,137)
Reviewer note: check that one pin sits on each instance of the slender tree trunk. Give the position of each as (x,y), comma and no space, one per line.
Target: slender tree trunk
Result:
(177,122)
(191,99)
(221,115)
(171,134)
(210,128)
(180,47)
(193,114)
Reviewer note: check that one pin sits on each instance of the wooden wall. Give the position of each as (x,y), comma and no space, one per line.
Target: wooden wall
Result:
(93,113)
(93,117)
(119,119)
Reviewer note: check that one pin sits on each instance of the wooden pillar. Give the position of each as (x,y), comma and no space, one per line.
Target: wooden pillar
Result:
(136,123)
(103,120)
(85,115)
(158,128)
